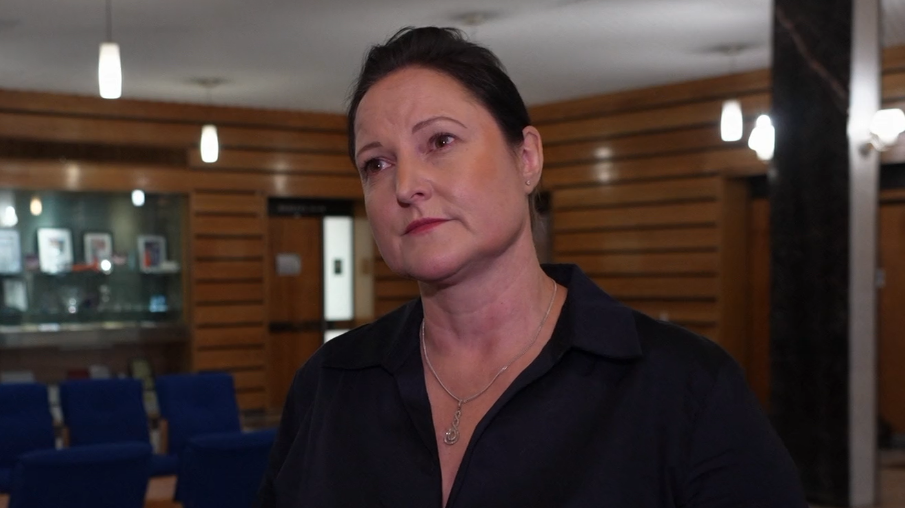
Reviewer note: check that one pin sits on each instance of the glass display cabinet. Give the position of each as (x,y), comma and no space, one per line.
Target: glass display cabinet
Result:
(89,262)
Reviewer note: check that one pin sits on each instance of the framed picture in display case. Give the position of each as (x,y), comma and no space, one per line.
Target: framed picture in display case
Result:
(55,250)
(152,252)
(10,252)
(98,246)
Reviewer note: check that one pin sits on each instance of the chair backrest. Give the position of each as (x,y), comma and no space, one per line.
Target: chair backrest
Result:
(97,476)
(104,411)
(223,470)
(195,405)
(25,421)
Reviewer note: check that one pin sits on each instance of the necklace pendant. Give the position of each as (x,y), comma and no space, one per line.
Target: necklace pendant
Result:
(452,435)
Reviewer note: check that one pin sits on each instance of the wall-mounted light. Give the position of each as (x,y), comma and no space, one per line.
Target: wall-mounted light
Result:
(763,138)
(138,197)
(885,127)
(731,122)
(35,206)
(109,68)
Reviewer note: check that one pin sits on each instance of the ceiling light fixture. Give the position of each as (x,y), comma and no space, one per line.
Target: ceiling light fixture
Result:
(109,68)
(731,121)
(763,138)
(210,141)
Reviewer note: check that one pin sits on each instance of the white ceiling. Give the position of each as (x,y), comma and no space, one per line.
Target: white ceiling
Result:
(303,54)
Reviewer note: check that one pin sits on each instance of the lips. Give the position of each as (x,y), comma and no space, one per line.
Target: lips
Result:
(420,225)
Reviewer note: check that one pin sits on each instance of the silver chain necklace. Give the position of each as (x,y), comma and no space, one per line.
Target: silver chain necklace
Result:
(452,433)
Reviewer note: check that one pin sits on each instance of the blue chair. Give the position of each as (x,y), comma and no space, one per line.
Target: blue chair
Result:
(98,476)
(195,405)
(223,470)
(99,411)
(25,425)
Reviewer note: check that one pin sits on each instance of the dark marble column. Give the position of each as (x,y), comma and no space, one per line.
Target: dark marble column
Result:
(819,88)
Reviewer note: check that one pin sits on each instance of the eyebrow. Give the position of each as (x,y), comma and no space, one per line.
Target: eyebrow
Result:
(373,144)
(424,123)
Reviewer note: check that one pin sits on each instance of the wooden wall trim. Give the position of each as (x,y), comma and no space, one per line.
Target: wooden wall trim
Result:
(710,88)
(134,109)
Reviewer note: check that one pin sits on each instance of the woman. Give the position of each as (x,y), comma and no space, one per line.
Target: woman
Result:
(506,383)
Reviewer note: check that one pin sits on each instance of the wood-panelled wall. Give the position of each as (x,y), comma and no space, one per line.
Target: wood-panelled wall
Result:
(649,201)
(50,141)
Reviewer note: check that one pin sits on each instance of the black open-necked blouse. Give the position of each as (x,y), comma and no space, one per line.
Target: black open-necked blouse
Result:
(618,410)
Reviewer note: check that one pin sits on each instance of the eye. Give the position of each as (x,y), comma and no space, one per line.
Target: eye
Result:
(441,140)
(372,166)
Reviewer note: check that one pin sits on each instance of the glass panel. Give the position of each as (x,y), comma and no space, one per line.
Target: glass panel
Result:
(92,258)
(338,303)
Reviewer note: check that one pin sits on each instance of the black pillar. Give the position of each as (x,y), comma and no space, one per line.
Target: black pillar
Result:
(823,213)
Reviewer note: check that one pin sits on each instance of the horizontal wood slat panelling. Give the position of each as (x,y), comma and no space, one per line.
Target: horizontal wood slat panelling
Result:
(228,270)
(227,202)
(397,289)
(228,225)
(695,113)
(640,241)
(641,216)
(225,359)
(645,264)
(647,168)
(382,270)
(386,304)
(281,162)
(638,193)
(248,379)
(661,287)
(81,176)
(251,399)
(228,314)
(637,185)
(206,247)
(229,337)
(77,105)
(718,87)
(677,311)
(229,292)
(641,145)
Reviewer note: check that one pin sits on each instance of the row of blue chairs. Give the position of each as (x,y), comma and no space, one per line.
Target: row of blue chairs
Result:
(217,464)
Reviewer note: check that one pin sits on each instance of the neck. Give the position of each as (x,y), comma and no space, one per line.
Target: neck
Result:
(491,311)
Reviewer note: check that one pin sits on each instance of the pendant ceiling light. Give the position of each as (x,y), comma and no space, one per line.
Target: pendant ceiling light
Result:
(210,145)
(210,142)
(109,69)
(731,121)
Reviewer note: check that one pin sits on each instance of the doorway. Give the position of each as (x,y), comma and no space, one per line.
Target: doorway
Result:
(309,276)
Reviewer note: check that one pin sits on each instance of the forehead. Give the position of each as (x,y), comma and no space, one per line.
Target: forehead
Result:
(406,96)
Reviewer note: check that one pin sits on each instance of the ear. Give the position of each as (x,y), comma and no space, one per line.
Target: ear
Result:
(531,158)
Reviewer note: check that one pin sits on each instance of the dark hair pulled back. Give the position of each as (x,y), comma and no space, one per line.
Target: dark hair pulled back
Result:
(445,50)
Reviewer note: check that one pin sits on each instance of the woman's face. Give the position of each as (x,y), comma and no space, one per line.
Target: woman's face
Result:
(444,191)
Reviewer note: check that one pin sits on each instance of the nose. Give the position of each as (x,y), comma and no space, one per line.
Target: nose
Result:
(413,182)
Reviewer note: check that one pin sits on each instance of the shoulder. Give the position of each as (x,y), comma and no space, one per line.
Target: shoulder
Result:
(687,364)
(371,344)
(669,345)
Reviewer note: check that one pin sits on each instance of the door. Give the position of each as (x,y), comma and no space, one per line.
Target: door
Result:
(295,304)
